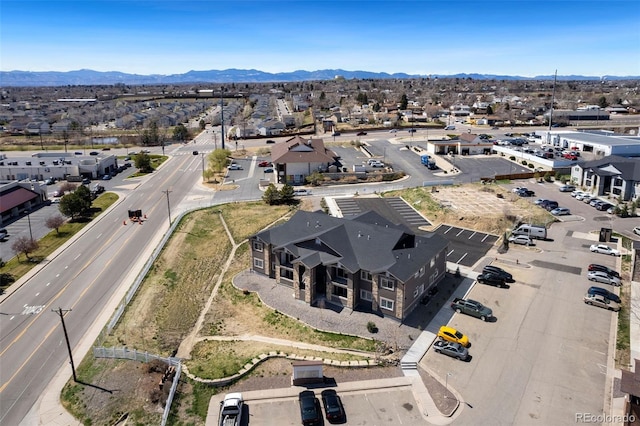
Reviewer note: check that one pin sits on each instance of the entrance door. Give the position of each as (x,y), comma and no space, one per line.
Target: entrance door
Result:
(321,280)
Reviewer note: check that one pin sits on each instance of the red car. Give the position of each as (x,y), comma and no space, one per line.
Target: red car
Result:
(570,157)
(264,164)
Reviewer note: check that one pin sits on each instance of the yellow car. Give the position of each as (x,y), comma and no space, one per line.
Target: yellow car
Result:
(453,335)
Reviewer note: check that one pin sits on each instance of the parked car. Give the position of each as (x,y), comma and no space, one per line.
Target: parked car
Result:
(582,195)
(86,181)
(540,201)
(575,193)
(567,188)
(524,192)
(450,128)
(333,408)
(604,249)
(521,239)
(587,199)
(603,206)
(471,307)
(301,191)
(3,234)
(361,134)
(264,164)
(270,141)
(491,269)
(411,130)
(549,205)
(450,334)
(195,153)
(601,302)
(603,277)
(517,188)
(309,408)
(636,230)
(604,293)
(560,211)
(376,164)
(106,177)
(492,279)
(235,166)
(268,170)
(455,350)
(596,267)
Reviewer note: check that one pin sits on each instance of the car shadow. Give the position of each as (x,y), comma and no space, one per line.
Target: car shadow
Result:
(492,319)
(468,359)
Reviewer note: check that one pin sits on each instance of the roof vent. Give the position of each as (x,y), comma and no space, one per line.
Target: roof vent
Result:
(317,224)
(368,237)
(359,234)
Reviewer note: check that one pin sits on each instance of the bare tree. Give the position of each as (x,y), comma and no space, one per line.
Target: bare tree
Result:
(55,222)
(67,187)
(25,245)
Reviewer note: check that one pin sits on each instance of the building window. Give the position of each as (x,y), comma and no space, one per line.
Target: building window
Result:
(386,304)
(617,182)
(418,291)
(366,295)
(258,246)
(286,273)
(258,263)
(340,291)
(387,283)
(366,275)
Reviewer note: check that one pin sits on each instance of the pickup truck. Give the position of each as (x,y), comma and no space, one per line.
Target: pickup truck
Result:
(471,307)
(231,409)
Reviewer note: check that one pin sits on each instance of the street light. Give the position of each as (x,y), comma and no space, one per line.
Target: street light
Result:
(29,220)
(446,382)
(202,154)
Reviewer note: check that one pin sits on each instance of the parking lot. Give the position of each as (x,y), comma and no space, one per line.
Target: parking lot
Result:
(545,357)
(466,246)
(378,402)
(394,209)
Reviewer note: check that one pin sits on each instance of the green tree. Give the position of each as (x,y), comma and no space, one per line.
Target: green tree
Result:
(180,133)
(602,102)
(286,194)
(143,162)
(218,159)
(202,125)
(271,195)
(151,135)
(489,110)
(76,204)
(404,102)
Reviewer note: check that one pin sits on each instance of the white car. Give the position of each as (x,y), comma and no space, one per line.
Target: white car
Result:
(540,201)
(235,166)
(581,196)
(601,302)
(604,249)
(575,193)
(636,230)
(603,277)
(560,211)
(301,191)
(521,239)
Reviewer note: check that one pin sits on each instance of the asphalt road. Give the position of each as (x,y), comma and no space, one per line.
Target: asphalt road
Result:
(81,278)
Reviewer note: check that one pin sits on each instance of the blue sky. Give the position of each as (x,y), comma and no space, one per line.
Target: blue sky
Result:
(515,37)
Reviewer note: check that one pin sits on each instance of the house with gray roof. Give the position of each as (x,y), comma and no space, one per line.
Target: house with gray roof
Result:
(612,175)
(363,263)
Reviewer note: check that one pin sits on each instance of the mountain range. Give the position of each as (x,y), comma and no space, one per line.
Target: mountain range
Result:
(86,77)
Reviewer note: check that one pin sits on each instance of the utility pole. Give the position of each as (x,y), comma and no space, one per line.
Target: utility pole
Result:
(168,205)
(553,97)
(222,117)
(61,312)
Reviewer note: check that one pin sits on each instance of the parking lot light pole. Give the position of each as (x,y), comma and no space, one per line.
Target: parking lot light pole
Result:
(446,382)
(202,154)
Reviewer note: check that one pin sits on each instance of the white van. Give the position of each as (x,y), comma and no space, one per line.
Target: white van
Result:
(532,231)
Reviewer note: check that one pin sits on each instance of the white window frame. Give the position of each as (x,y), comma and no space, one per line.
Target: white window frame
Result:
(342,286)
(258,246)
(386,304)
(388,283)
(258,263)
(366,295)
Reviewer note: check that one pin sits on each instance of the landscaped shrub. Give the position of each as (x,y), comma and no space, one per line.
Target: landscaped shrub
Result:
(371,327)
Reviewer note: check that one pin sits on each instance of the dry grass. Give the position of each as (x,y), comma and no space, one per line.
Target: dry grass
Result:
(218,359)
(486,208)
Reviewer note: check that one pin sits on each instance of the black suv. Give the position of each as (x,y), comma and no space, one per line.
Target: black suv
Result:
(309,408)
(494,270)
(492,279)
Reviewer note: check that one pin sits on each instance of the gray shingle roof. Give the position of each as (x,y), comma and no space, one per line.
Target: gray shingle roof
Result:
(380,246)
(629,167)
